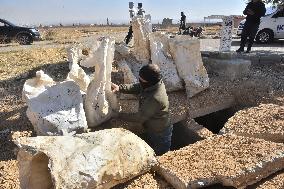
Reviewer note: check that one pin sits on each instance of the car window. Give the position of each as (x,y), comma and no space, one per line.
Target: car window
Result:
(279,14)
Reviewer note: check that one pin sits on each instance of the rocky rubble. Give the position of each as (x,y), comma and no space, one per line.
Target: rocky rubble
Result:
(230,160)
(95,160)
(265,121)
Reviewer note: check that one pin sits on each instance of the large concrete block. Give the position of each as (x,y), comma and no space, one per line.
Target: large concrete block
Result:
(127,72)
(160,55)
(95,160)
(122,49)
(54,108)
(142,27)
(230,160)
(187,57)
(226,33)
(230,68)
(265,121)
(100,101)
(76,73)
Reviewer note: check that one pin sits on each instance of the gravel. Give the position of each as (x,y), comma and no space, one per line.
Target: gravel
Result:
(231,160)
(265,121)
(275,181)
(147,181)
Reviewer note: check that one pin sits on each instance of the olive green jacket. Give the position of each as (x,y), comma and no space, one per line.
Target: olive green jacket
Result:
(153,111)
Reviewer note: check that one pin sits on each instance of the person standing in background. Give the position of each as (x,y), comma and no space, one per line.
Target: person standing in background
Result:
(254,11)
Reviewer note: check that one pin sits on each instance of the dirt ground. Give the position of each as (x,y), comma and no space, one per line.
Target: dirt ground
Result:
(265,84)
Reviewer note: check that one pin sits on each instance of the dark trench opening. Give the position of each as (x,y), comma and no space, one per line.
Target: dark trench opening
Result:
(214,122)
(183,136)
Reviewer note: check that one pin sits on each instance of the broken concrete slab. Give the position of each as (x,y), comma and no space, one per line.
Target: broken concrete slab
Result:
(265,121)
(54,108)
(122,49)
(95,160)
(199,130)
(36,85)
(142,27)
(275,181)
(76,73)
(100,101)
(160,55)
(187,57)
(230,68)
(229,159)
(128,76)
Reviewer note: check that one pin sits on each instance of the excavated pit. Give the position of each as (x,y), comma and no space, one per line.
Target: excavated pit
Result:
(216,120)
(182,136)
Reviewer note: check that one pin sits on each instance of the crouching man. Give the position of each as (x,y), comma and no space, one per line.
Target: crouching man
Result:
(153,111)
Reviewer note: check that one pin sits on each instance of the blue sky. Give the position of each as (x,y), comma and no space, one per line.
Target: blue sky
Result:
(96,11)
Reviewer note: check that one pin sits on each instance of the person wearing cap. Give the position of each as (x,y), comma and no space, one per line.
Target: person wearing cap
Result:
(153,113)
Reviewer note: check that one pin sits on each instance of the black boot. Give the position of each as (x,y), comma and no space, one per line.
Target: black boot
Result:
(249,49)
(241,49)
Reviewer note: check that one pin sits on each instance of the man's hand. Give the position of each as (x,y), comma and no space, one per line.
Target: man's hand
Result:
(250,12)
(114,88)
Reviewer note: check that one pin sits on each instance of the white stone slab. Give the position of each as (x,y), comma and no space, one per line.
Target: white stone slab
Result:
(95,160)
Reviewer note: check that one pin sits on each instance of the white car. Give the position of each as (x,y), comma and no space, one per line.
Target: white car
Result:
(271,27)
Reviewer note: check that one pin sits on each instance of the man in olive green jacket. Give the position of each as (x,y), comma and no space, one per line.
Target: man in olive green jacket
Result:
(153,111)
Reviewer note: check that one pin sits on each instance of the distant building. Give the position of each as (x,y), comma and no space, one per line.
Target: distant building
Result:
(167,22)
(237,19)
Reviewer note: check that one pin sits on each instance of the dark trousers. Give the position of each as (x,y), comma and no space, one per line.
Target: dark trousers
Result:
(248,34)
(160,142)
(129,35)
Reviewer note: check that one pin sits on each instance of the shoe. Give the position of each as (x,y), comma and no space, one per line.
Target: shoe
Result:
(248,49)
(241,49)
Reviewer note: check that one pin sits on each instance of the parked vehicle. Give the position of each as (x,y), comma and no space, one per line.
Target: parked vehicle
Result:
(23,35)
(271,27)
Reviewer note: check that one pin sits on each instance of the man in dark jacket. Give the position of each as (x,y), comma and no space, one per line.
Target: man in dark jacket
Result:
(254,11)
(153,111)
(182,25)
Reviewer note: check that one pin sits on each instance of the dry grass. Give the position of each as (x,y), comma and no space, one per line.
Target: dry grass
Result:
(72,34)
(15,64)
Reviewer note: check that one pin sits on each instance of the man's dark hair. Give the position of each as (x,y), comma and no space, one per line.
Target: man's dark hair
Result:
(151,73)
